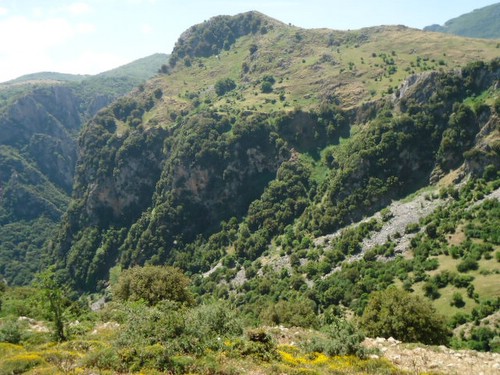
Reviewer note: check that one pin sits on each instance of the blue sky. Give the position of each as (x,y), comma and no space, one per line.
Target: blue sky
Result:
(90,36)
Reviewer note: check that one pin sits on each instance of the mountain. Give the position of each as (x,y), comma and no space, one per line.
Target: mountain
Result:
(40,118)
(271,176)
(260,130)
(480,23)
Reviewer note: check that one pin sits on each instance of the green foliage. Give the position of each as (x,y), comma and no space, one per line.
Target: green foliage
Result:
(396,313)
(10,331)
(260,345)
(341,338)
(224,85)
(20,248)
(20,363)
(157,336)
(457,300)
(298,312)
(55,295)
(283,200)
(211,37)
(458,137)
(467,264)
(153,284)
(482,338)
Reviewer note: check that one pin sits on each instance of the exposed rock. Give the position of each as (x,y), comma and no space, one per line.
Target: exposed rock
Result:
(435,359)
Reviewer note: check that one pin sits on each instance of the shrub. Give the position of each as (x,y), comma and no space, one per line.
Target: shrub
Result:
(10,331)
(20,363)
(224,85)
(467,264)
(296,313)
(341,338)
(399,314)
(260,345)
(457,300)
(153,284)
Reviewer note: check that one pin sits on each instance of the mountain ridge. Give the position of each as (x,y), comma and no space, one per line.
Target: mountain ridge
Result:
(480,23)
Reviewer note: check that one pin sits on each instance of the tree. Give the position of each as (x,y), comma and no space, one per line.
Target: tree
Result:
(153,284)
(267,84)
(457,300)
(224,85)
(399,314)
(56,297)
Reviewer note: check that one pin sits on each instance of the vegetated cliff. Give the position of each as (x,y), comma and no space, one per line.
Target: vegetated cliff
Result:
(40,119)
(186,173)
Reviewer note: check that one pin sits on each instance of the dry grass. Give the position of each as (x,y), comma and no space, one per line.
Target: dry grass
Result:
(309,69)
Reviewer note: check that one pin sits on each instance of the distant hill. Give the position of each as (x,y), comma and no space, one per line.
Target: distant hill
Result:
(480,23)
(40,119)
(48,76)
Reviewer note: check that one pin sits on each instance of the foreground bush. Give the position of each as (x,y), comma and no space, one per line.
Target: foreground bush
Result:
(341,338)
(153,284)
(403,316)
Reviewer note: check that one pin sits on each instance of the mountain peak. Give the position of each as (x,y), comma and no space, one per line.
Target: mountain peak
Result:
(219,33)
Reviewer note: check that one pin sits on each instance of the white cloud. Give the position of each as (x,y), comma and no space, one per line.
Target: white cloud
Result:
(78,8)
(3,11)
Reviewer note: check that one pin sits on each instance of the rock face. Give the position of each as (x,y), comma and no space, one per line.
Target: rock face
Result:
(44,125)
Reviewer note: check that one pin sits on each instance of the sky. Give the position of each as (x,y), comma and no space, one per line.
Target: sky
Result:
(91,36)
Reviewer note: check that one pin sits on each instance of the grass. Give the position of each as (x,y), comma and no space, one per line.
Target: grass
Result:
(77,357)
(309,71)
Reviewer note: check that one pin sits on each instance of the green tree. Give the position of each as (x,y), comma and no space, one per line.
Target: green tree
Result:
(224,85)
(457,300)
(153,284)
(56,297)
(399,314)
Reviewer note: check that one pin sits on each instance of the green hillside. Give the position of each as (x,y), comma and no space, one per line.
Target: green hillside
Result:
(480,23)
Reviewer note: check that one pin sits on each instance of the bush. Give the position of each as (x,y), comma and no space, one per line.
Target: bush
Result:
(457,300)
(467,264)
(224,85)
(10,331)
(342,338)
(153,284)
(20,363)
(260,345)
(296,313)
(179,329)
(399,314)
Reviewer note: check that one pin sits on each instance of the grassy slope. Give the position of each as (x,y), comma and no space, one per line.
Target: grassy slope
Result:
(308,71)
